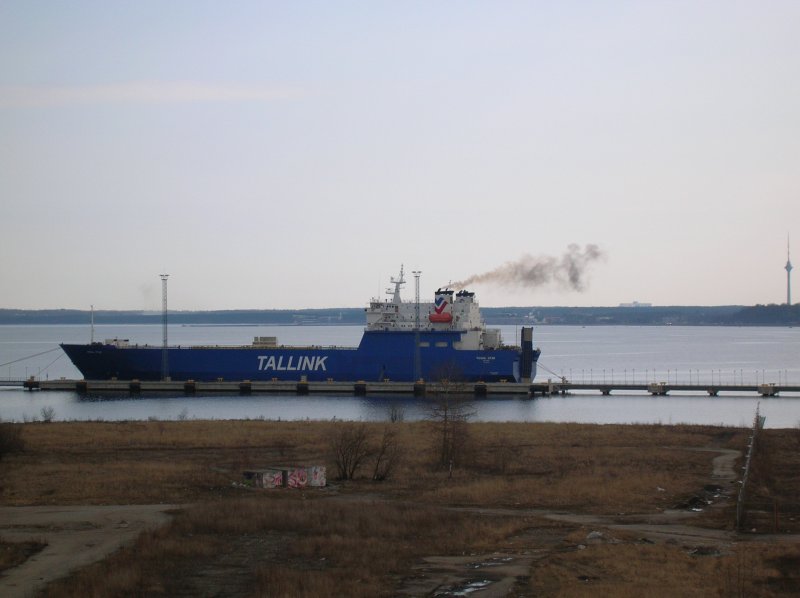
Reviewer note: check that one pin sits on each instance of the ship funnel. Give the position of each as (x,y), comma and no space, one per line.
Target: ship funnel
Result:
(442,307)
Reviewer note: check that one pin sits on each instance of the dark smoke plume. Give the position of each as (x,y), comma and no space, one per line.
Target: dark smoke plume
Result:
(569,270)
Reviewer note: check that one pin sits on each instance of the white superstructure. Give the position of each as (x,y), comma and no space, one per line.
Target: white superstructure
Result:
(450,311)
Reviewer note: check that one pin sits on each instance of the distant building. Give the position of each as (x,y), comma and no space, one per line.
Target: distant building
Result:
(636,304)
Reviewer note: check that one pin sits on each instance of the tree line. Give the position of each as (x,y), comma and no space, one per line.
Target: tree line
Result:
(725,315)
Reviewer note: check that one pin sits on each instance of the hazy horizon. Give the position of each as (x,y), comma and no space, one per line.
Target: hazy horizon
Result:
(362,307)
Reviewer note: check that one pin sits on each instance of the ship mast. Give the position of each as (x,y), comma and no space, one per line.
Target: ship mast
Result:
(397,282)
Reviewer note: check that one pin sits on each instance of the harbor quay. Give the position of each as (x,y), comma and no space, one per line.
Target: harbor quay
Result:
(419,388)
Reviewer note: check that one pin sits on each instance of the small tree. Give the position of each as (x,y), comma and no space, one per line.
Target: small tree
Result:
(450,413)
(350,447)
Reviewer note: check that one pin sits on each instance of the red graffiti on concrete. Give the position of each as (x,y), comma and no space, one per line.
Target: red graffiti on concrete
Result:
(297,478)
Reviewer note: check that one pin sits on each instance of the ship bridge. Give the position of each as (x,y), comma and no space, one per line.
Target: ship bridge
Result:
(449,311)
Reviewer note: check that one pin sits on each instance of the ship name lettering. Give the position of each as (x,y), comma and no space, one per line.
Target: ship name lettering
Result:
(301,363)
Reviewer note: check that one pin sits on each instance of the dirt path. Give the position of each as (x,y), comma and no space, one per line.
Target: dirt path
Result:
(76,536)
(494,575)
(722,466)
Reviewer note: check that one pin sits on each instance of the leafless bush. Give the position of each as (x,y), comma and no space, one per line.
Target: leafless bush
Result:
(350,447)
(396,413)
(48,414)
(387,455)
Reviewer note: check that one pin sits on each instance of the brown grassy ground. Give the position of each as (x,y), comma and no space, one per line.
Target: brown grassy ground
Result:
(16,553)
(772,499)
(592,468)
(364,538)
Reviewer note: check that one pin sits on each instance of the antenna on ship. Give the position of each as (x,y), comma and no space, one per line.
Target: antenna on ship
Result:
(164,354)
(788,275)
(417,362)
(92,325)
(397,282)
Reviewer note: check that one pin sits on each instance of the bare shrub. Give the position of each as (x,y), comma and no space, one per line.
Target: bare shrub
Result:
(48,413)
(386,456)
(396,413)
(350,447)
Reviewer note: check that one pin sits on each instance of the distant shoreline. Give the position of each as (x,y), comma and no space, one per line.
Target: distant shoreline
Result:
(725,315)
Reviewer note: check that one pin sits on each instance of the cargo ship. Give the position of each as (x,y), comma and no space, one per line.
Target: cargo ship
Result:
(403,341)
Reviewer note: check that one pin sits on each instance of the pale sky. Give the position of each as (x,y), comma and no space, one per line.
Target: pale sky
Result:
(294,154)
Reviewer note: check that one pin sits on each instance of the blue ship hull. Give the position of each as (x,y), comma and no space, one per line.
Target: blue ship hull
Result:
(381,355)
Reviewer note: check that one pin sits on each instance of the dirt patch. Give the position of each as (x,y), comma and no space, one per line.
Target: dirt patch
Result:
(490,575)
(508,573)
(74,536)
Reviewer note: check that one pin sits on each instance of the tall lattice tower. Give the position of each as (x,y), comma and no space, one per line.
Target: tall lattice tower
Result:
(788,275)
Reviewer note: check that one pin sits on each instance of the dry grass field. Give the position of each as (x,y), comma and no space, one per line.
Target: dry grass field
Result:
(527,509)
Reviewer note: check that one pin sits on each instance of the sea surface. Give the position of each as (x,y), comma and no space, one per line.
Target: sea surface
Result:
(693,354)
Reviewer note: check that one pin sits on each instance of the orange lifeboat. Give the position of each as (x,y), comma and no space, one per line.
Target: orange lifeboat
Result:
(444,317)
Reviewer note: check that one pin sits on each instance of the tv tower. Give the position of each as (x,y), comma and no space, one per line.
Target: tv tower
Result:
(788,275)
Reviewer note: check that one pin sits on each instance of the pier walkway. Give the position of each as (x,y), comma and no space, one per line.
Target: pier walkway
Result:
(420,388)
(9,382)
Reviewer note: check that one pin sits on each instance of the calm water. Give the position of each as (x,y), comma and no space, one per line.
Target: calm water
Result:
(611,354)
